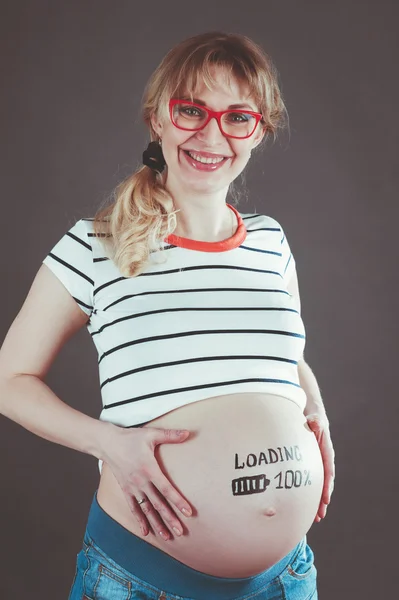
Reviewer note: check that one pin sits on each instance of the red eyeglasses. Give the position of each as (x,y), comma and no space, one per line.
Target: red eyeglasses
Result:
(189,116)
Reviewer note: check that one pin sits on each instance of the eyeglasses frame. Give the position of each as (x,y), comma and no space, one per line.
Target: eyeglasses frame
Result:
(217,114)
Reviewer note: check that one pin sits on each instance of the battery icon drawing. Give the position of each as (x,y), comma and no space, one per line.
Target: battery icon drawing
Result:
(250,485)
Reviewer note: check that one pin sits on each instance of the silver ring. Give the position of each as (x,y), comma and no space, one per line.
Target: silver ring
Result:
(141,501)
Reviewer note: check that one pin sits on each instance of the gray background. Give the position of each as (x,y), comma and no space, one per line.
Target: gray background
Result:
(73,74)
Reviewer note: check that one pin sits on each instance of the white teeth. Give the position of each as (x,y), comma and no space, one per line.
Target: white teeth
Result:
(205,160)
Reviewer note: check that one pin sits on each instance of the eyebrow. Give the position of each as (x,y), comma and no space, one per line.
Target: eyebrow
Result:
(232,106)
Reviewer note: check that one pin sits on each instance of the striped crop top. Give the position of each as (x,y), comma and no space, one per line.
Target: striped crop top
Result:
(214,318)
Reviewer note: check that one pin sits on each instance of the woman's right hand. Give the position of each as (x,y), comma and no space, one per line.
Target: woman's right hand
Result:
(130,455)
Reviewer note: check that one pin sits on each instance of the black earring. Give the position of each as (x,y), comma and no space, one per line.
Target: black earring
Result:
(153,157)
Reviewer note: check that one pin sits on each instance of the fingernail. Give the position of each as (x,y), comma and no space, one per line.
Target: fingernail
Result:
(186,512)
(163,535)
(177,531)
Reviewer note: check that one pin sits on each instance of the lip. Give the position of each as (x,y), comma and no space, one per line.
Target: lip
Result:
(203,166)
(206,154)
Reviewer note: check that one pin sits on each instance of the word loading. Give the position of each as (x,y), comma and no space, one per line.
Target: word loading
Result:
(268,457)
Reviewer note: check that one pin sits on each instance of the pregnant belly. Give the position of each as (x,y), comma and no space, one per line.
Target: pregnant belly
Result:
(252,472)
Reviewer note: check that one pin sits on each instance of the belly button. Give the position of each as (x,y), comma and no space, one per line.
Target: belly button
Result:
(270,512)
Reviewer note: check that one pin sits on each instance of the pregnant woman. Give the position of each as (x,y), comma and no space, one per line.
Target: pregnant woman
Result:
(212,469)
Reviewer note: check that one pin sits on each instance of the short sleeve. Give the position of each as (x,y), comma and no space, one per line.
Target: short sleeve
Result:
(287,259)
(71,260)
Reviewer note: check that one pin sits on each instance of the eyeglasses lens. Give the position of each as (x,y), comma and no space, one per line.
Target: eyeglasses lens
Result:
(235,123)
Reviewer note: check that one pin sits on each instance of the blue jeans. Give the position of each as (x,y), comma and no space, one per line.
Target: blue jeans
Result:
(115,564)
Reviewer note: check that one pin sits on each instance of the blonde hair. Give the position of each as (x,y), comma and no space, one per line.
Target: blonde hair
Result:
(142,212)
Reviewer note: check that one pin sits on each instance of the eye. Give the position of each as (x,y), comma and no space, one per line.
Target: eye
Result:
(191,111)
(239,117)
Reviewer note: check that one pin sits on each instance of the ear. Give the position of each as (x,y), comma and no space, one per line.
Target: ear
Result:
(156,125)
(258,137)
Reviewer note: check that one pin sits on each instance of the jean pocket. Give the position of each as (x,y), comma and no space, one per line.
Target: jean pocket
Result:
(102,582)
(105,579)
(110,585)
(80,570)
(302,566)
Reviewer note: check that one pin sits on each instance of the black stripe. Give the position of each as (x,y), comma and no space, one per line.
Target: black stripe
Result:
(192,291)
(103,258)
(77,239)
(199,359)
(108,283)
(251,217)
(82,303)
(206,267)
(62,262)
(93,218)
(260,250)
(288,262)
(99,235)
(186,309)
(199,387)
(170,336)
(264,229)
(187,269)
(165,247)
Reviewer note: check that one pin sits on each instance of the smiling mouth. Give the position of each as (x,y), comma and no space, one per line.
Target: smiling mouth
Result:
(207,160)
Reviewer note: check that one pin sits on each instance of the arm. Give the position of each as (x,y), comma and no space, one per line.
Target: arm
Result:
(308,382)
(47,319)
(49,316)
(316,415)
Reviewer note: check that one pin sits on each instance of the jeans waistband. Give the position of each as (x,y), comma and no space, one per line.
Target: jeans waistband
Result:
(161,570)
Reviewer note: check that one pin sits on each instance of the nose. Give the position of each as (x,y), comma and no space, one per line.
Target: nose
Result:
(211,131)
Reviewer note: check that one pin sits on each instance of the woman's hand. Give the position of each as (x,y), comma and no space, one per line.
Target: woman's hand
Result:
(321,429)
(130,456)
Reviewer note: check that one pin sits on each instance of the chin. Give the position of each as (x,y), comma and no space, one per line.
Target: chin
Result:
(204,186)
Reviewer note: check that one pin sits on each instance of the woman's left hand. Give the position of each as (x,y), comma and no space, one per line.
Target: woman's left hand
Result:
(321,429)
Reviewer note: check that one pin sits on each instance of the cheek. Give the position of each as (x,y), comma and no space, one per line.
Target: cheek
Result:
(241,158)
(171,145)
(240,149)
(244,151)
